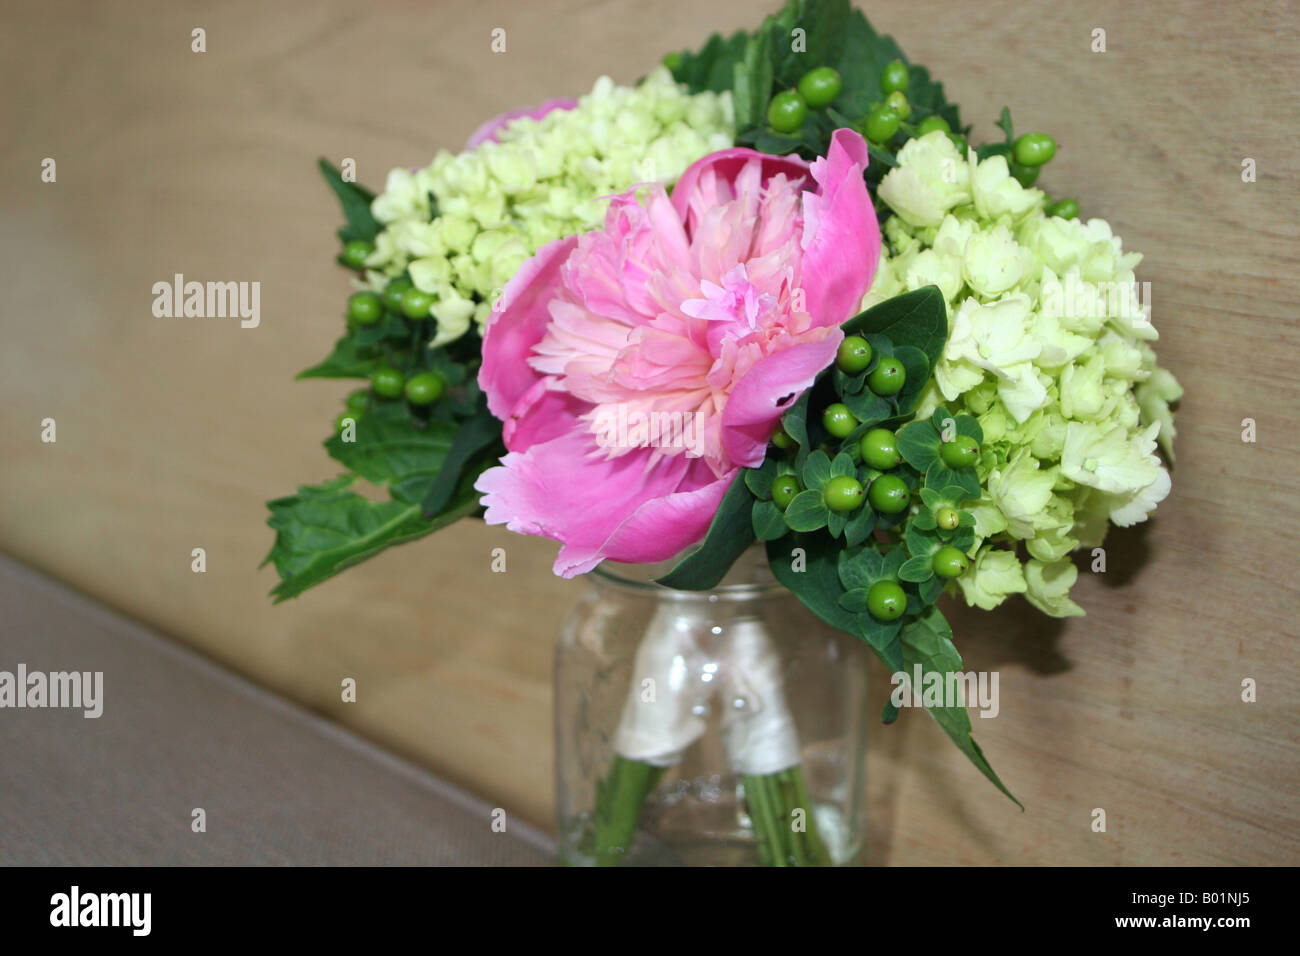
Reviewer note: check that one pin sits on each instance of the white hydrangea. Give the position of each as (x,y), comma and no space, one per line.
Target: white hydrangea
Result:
(1049,348)
(501,201)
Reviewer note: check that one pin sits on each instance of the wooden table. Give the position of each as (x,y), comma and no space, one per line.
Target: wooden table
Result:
(172,432)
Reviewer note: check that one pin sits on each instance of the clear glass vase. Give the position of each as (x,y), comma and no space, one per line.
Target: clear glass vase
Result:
(707,728)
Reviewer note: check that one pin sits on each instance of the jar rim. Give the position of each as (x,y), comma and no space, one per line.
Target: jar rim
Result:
(624,577)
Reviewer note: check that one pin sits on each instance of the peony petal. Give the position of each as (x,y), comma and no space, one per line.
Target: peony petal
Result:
(841,240)
(723,167)
(753,408)
(559,489)
(542,413)
(517,324)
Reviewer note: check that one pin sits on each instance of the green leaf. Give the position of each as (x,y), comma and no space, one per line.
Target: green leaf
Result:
(918,319)
(869,409)
(729,534)
(346,361)
(823,23)
(751,86)
(917,369)
(919,443)
(760,479)
(816,471)
(842,466)
(711,69)
(817,585)
(326,528)
(390,450)
(939,475)
(807,512)
(916,569)
(927,641)
(477,441)
(355,201)
(860,526)
(768,521)
(1004,124)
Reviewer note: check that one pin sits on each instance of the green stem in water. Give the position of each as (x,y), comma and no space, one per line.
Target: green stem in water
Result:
(619,797)
(773,799)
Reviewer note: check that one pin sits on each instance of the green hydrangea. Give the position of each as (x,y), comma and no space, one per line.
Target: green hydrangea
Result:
(498,203)
(1049,348)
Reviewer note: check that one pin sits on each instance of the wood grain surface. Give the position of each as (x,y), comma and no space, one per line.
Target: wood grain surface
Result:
(173,432)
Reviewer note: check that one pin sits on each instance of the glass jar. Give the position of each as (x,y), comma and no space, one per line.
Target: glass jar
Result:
(699,728)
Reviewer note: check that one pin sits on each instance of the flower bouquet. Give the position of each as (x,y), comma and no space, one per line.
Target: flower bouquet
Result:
(770,293)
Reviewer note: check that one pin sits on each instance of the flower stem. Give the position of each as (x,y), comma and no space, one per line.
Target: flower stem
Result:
(784,837)
(619,797)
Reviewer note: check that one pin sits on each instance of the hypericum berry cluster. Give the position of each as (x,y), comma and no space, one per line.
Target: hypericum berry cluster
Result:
(1049,349)
(817,89)
(461,227)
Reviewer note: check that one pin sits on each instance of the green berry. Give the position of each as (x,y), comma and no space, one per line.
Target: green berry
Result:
(1034,149)
(356,401)
(394,291)
(416,304)
(781,438)
(819,87)
(962,452)
(894,78)
(786,112)
(947,518)
(355,253)
(889,495)
(886,601)
(932,123)
(672,60)
(341,422)
(365,308)
(1065,209)
(879,449)
(387,382)
(948,562)
(888,377)
(424,388)
(882,124)
(784,488)
(897,102)
(843,493)
(854,355)
(1025,175)
(839,421)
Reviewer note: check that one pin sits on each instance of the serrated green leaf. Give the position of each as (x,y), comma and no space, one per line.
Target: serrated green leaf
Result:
(729,534)
(326,528)
(390,450)
(346,361)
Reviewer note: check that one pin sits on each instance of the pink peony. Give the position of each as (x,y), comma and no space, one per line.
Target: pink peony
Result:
(488,131)
(712,309)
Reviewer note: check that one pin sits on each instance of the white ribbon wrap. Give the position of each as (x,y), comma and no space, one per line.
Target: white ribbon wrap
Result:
(661,719)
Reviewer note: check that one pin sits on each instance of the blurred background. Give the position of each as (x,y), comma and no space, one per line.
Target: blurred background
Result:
(172,433)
